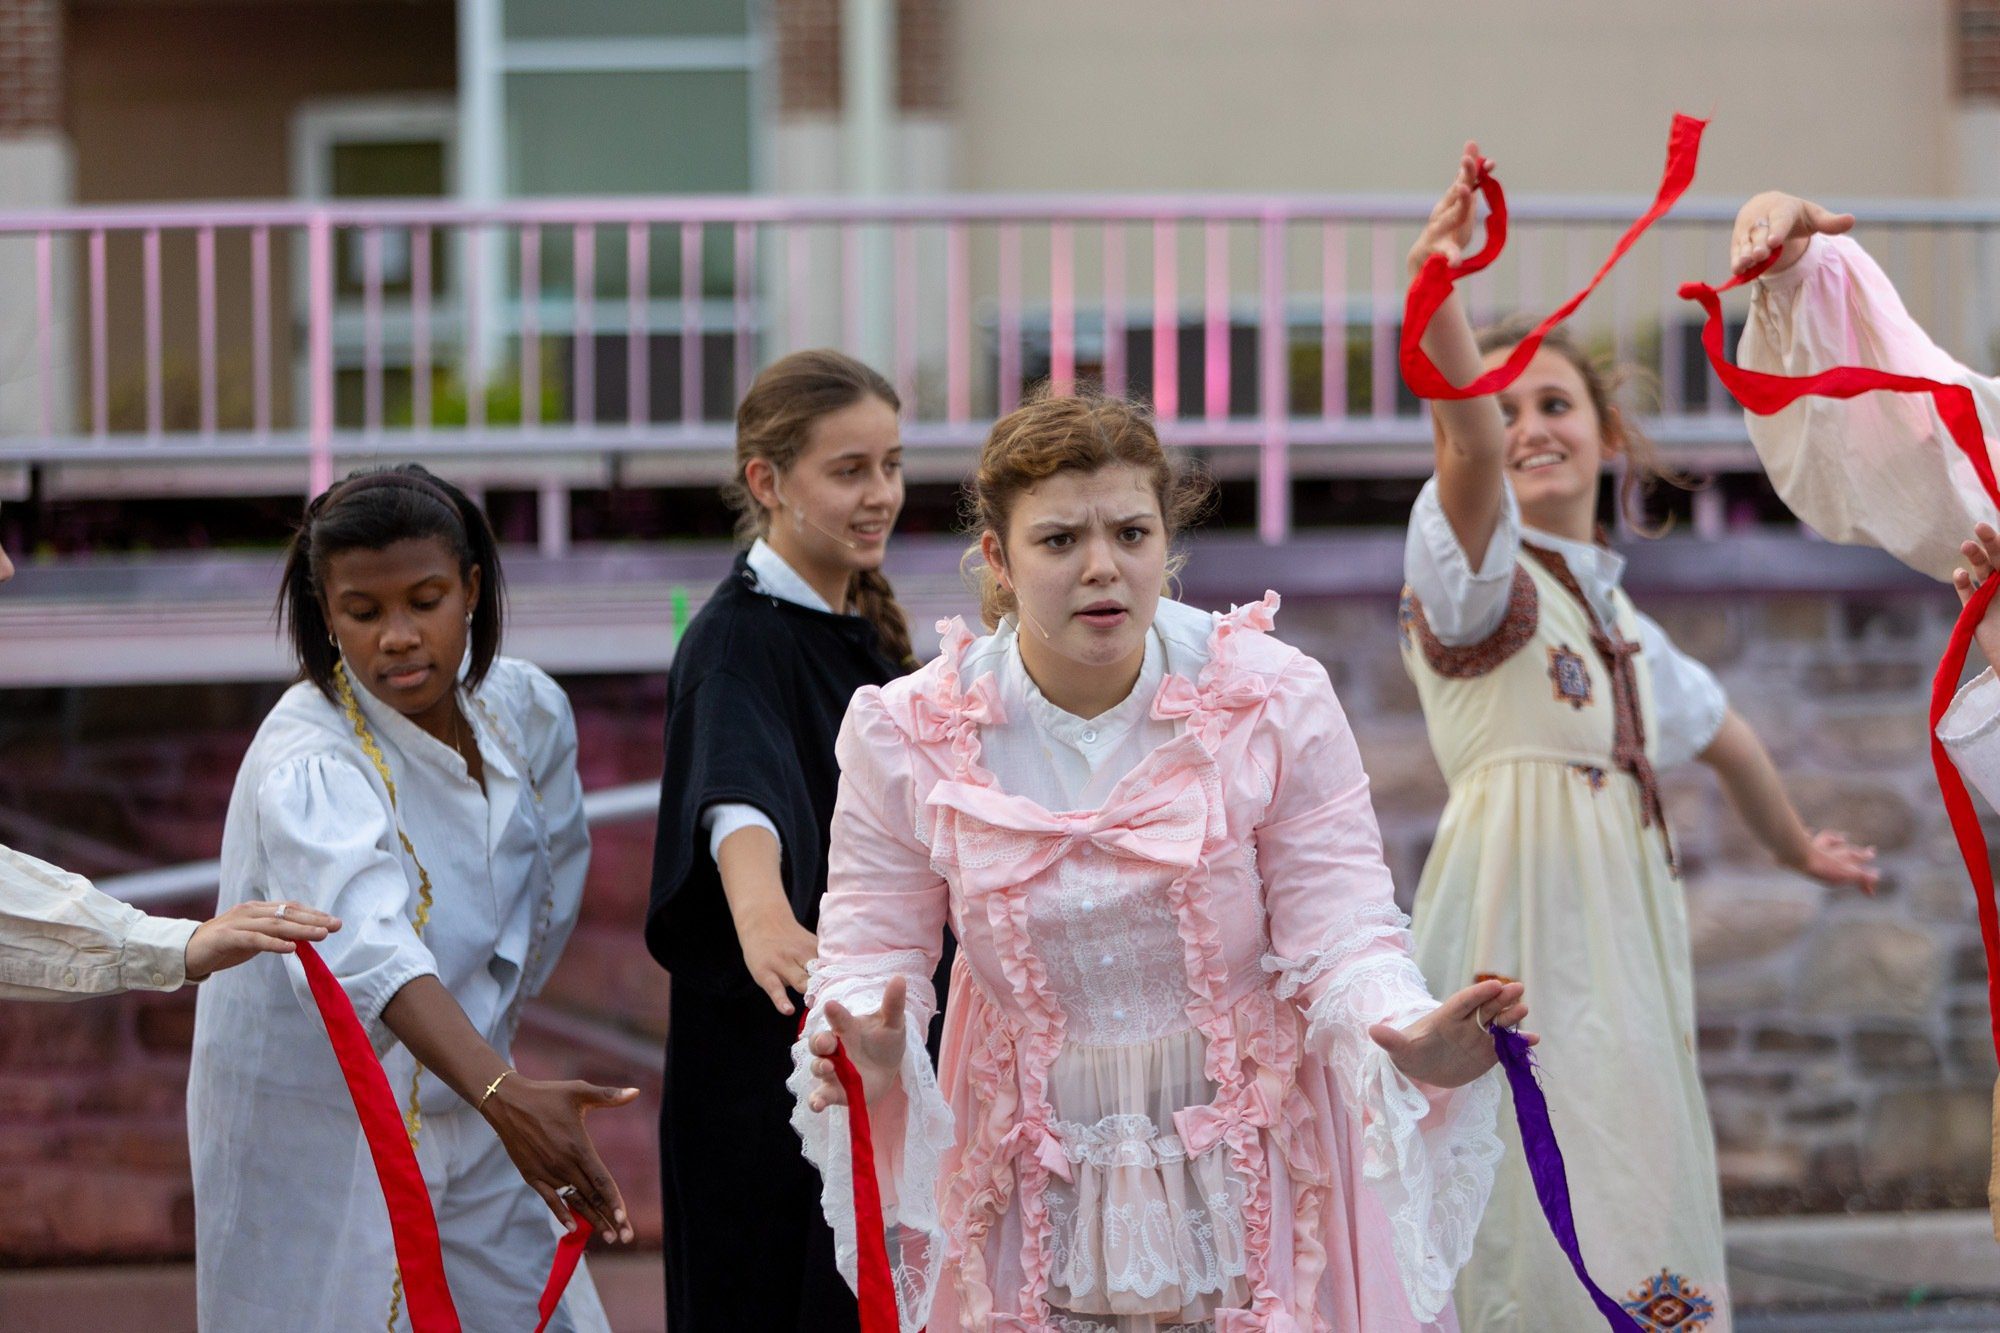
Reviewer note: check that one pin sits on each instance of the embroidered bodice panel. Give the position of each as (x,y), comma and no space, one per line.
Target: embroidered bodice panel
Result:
(1550,697)
(1112,949)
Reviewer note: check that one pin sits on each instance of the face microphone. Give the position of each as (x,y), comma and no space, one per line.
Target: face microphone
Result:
(799,521)
(1022,612)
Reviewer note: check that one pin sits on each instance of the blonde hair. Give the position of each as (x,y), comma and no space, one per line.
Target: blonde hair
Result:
(1083,433)
(1605,382)
(773,422)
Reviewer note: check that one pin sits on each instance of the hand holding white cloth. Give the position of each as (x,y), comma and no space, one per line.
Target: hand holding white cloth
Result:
(1879,469)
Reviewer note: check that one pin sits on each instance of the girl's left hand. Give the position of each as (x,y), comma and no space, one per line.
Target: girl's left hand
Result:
(540,1124)
(1834,861)
(1450,1046)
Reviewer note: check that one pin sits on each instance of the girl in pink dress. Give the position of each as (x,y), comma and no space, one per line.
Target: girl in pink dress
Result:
(1190,1078)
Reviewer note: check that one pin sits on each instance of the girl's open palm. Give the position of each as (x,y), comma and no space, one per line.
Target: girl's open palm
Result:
(874,1042)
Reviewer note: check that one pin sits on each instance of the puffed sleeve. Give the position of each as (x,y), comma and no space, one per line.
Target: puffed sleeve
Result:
(1688,701)
(1462,604)
(328,841)
(1879,469)
(883,916)
(1340,947)
(549,730)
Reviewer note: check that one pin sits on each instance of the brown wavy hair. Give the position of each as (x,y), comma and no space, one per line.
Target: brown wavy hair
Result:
(773,422)
(1606,382)
(1083,433)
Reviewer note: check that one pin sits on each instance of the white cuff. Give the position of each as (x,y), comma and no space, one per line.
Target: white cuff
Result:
(1970,731)
(727,817)
(155,953)
(1461,604)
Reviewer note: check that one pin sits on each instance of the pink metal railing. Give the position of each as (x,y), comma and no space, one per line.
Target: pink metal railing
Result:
(305,341)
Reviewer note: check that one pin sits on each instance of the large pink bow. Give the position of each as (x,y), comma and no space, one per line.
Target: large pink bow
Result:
(1254,1108)
(1036,1137)
(1163,822)
(1180,697)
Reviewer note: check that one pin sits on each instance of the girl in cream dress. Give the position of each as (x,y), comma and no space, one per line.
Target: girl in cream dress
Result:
(1551,704)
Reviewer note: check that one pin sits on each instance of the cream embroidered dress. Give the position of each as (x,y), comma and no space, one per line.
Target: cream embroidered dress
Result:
(1553,866)
(1158,1108)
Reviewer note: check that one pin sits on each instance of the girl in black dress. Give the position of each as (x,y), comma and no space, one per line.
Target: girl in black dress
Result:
(755,698)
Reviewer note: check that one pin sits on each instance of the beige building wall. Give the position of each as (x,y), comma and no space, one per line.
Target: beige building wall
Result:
(1840,97)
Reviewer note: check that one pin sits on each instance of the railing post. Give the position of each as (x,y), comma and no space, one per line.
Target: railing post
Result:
(1274,471)
(319,352)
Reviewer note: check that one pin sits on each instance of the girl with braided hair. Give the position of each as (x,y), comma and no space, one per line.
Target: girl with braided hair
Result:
(759,685)
(424,788)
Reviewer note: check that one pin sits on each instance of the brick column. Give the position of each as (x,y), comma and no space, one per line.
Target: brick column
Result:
(30,66)
(807,37)
(1975,67)
(1976,62)
(807,144)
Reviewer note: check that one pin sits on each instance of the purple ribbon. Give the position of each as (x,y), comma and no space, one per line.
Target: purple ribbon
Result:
(1545,1164)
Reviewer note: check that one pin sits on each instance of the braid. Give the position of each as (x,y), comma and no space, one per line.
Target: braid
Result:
(873,599)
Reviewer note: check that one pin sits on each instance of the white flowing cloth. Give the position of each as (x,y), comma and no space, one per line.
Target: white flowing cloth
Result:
(1879,469)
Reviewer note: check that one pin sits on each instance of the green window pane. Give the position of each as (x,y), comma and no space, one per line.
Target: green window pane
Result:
(626,18)
(677,132)
(367,169)
(385,170)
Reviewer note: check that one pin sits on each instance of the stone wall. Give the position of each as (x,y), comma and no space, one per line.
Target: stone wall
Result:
(1844,1040)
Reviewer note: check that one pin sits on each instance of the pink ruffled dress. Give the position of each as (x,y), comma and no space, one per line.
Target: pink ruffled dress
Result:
(1158,1108)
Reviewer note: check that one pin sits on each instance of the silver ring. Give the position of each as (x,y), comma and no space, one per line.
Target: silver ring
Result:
(1760,222)
(567,1191)
(281,910)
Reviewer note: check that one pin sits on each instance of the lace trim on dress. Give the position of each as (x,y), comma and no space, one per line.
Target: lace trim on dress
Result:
(1143,1227)
(1360,930)
(1077,1323)
(1119,1140)
(915,1240)
(1433,1182)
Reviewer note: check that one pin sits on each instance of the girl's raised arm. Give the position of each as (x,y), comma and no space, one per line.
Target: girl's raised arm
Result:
(1471,437)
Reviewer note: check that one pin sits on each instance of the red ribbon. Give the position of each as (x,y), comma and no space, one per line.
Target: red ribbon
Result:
(876,1293)
(1438,275)
(1431,289)
(412,1224)
(1764,394)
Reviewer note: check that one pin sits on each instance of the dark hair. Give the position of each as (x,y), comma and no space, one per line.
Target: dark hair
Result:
(1604,382)
(370,511)
(1080,433)
(772,423)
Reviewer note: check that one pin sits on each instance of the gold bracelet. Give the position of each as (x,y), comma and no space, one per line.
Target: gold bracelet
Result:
(487,1095)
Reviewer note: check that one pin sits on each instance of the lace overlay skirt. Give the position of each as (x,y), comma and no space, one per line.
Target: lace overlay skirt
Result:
(1146,1239)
